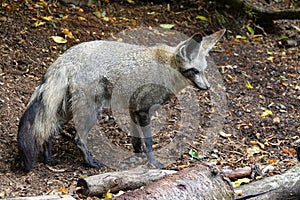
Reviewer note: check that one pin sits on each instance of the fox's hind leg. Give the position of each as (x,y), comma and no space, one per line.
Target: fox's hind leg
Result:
(85,115)
(48,152)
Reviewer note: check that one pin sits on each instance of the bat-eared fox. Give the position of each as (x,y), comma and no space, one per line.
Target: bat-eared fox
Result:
(80,84)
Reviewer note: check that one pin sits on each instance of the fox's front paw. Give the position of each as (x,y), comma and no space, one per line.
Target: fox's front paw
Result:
(157,164)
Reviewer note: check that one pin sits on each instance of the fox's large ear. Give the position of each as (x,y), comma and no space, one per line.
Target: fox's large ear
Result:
(189,49)
(209,41)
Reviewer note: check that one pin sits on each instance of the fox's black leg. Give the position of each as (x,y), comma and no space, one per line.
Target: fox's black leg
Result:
(48,153)
(147,132)
(136,139)
(142,133)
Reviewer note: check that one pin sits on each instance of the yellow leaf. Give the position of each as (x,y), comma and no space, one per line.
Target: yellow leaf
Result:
(39,23)
(248,85)
(82,19)
(266,112)
(68,33)
(257,143)
(47,18)
(59,40)
(241,37)
(108,195)
(4,4)
(131,1)
(98,14)
(202,18)
(239,182)
(62,190)
(269,52)
(271,58)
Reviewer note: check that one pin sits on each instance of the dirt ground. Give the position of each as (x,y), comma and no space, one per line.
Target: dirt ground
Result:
(260,72)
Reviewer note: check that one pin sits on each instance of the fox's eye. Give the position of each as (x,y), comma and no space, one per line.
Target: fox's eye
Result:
(190,72)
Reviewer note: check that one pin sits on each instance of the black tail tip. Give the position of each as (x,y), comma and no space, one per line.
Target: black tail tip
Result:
(28,148)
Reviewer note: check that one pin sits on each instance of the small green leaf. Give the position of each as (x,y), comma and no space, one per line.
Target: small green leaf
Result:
(250,29)
(167,26)
(284,37)
(202,18)
(194,154)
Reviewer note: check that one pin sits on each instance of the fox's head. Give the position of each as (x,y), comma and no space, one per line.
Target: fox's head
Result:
(190,56)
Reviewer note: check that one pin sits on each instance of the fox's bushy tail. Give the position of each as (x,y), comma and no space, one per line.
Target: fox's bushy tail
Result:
(41,118)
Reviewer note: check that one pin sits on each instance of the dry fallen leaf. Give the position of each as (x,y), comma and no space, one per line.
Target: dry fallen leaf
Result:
(238,192)
(82,19)
(276,120)
(68,33)
(62,190)
(257,143)
(108,195)
(225,135)
(47,18)
(59,40)
(289,151)
(273,161)
(38,23)
(255,149)
(271,58)
(239,182)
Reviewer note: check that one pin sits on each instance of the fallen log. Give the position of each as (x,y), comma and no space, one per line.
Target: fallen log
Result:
(97,185)
(285,186)
(196,182)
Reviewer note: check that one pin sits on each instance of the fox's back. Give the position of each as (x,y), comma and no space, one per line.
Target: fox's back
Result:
(92,60)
